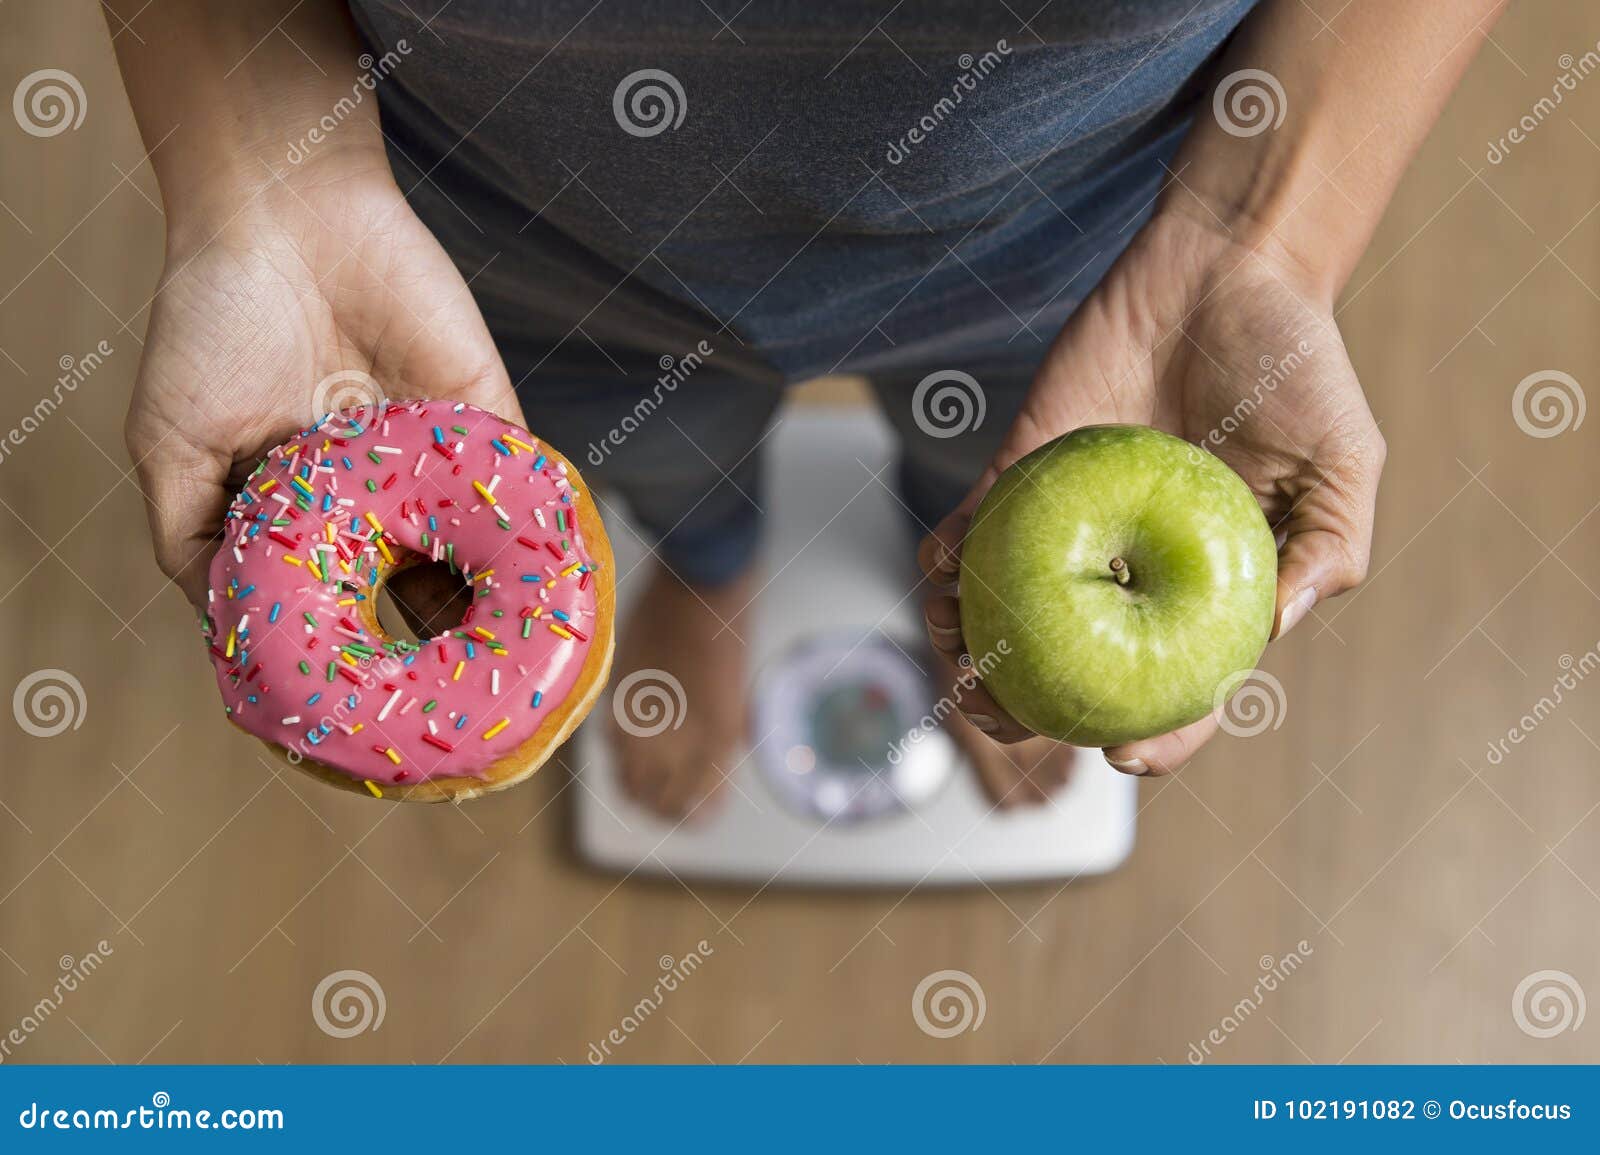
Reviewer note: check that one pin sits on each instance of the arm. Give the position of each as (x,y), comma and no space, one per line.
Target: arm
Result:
(1359,98)
(220,90)
(1254,237)
(297,278)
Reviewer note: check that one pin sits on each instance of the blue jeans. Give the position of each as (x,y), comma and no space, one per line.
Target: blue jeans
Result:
(689,466)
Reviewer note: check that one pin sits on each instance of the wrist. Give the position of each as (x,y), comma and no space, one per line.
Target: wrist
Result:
(1299,142)
(227,108)
(1269,200)
(258,190)
(1225,241)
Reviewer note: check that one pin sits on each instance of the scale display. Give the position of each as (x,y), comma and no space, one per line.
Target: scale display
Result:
(843,729)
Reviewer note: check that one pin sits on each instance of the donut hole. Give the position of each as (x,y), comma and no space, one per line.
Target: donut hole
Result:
(422,600)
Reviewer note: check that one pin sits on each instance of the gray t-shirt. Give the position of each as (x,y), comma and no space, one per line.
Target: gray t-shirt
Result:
(816,185)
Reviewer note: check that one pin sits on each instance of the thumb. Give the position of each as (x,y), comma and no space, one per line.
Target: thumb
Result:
(483,383)
(186,495)
(1329,542)
(451,355)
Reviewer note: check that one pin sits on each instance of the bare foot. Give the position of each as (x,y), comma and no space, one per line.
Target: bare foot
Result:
(1022,773)
(688,637)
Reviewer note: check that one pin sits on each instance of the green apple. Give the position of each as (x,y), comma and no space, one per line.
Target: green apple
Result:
(1132,577)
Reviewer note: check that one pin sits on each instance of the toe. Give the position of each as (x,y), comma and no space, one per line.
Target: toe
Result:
(1051,767)
(683,794)
(1003,779)
(641,781)
(706,796)
(645,766)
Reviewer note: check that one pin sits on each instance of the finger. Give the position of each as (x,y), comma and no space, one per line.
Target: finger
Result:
(480,381)
(491,389)
(942,615)
(939,553)
(1163,754)
(186,495)
(451,353)
(1312,568)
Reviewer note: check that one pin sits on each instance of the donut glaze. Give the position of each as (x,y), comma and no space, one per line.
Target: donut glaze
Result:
(328,517)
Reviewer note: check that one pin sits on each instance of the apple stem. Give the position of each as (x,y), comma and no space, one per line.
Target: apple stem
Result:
(1120,569)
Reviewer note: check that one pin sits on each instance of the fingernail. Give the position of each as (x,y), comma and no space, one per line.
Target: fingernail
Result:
(946,638)
(983,722)
(1133,766)
(948,562)
(1298,607)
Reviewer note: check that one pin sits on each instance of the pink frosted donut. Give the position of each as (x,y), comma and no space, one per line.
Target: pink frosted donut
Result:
(327,518)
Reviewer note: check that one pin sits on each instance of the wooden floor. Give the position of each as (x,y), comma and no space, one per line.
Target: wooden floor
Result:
(1425,879)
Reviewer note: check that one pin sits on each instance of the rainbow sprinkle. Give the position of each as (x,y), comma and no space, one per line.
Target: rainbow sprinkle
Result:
(339,518)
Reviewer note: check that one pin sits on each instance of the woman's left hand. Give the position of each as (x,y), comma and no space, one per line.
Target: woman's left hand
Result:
(1232,346)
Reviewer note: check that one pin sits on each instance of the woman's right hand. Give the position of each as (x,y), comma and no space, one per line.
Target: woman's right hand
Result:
(317,271)
(285,264)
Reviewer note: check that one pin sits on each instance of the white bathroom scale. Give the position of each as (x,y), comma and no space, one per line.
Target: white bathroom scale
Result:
(845,782)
